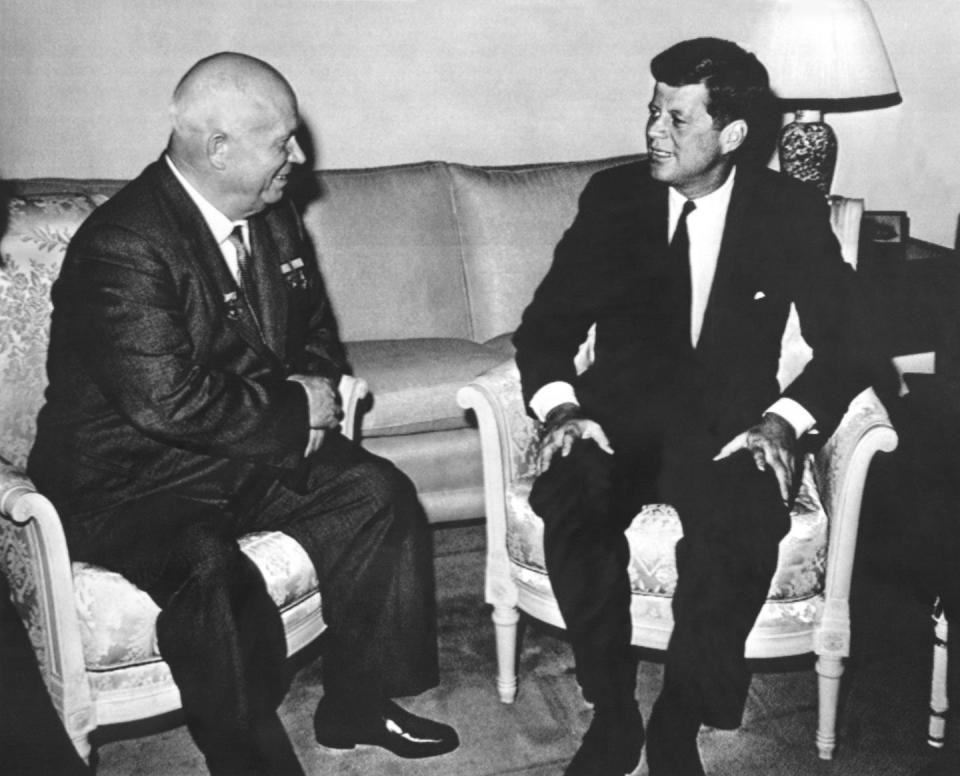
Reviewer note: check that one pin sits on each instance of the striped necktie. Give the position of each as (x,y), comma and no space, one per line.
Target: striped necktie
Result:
(248,289)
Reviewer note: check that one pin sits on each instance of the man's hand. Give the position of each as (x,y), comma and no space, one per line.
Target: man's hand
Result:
(772,442)
(323,401)
(563,426)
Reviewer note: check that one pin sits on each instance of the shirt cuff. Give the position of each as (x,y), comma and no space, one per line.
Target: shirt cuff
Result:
(303,384)
(552,395)
(795,414)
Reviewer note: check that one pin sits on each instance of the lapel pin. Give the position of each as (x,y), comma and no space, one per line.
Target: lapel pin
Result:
(293,272)
(232,304)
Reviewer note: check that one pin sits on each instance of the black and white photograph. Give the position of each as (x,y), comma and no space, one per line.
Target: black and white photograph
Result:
(479,388)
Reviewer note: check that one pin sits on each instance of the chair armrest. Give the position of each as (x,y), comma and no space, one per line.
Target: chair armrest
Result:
(15,487)
(34,559)
(507,442)
(840,469)
(507,431)
(352,391)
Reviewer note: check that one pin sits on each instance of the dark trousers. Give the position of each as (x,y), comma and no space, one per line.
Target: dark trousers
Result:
(359,520)
(733,519)
(32,739)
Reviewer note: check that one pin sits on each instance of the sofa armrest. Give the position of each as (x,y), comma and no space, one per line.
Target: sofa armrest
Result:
(34,559)
(352,391)
(841,468)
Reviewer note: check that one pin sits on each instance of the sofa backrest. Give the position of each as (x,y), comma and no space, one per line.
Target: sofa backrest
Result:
(388,246)
(440,250)
(417,250)
(511,219)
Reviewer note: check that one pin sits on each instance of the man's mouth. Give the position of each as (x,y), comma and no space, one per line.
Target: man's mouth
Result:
(658,154)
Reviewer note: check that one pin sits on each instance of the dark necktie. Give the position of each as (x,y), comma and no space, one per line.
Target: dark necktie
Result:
(248,290)
(680,264)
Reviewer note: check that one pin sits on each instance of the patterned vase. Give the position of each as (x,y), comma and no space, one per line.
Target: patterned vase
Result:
(808,150)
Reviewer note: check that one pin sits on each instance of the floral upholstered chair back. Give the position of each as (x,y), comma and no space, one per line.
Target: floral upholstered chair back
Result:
(32,246)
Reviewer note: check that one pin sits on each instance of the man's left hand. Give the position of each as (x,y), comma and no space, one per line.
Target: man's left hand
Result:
(772,442)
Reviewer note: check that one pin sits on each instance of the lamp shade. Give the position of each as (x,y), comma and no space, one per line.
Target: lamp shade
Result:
(825,52)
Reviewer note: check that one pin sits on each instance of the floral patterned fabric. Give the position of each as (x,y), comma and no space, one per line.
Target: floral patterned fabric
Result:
(30,255)
(654,532)
(118,620)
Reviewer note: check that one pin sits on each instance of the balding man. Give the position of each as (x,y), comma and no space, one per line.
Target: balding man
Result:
(192,399)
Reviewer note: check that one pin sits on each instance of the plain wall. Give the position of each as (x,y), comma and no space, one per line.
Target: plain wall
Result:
(84,84)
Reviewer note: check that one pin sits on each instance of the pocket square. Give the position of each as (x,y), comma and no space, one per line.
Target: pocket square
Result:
(758,296)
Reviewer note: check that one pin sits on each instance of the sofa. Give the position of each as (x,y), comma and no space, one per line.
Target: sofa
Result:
(428,266)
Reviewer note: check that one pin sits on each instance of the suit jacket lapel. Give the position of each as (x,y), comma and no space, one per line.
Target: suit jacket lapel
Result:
(271,286)
(727,264)
(208,257)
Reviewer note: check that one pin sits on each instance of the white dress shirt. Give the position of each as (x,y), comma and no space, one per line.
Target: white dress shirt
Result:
(705,229)
(220,225)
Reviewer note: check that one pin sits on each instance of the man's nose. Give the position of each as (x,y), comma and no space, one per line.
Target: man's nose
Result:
(295,154)
(655,126)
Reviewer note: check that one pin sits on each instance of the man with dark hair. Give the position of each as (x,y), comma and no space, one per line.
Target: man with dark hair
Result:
(687,263)
(193,399)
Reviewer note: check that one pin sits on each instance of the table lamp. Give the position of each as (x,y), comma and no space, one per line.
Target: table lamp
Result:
(822,56)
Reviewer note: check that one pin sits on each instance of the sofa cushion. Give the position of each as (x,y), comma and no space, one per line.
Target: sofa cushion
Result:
(118,621)
(511,219)
(388,246)
(414,382)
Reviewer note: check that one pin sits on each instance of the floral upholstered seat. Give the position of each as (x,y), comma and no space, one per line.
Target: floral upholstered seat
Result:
(652,537)
(94,633)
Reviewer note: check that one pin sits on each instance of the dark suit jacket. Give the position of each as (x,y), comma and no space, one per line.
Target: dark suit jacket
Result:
(612,268)
(156,378)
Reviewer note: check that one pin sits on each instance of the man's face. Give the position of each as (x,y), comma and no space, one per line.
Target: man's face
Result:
(261,156)
(686,150)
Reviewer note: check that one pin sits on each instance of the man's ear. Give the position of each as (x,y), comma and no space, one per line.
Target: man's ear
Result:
(217,150)
(733,135)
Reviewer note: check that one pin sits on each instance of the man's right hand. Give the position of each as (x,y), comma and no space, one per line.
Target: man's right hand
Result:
(563,426)
(323,401)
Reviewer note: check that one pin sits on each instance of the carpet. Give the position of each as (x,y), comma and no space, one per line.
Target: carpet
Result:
(881,729)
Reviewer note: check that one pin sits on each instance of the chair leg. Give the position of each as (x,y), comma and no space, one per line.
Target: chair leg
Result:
(505,620)
(81,743)
(829,671)
(939,703)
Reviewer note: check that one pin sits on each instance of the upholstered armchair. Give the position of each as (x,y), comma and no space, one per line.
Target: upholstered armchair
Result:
(807,608)
(94,632)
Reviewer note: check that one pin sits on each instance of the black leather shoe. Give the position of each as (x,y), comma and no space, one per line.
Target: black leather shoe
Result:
(611,746)
(395,729)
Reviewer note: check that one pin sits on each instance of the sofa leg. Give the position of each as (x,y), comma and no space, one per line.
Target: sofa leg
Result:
(939,704)
(505,620)
(829,671)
